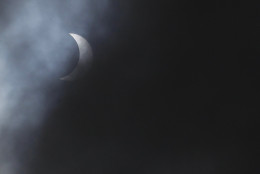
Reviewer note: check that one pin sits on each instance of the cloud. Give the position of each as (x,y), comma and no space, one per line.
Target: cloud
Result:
(35,48)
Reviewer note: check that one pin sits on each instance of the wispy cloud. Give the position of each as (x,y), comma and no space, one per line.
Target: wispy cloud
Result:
(33,55)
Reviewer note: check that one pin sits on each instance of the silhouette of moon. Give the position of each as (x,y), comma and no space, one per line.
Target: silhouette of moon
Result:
(85,57)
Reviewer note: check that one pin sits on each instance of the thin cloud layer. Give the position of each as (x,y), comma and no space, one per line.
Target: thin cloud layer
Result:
(35,48)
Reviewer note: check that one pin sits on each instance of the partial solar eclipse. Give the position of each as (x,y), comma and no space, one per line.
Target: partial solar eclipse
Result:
(85,58)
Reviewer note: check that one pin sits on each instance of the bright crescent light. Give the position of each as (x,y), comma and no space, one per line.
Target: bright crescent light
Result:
(85,57)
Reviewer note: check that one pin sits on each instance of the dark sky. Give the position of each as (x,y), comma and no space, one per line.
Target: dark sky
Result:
(174,88)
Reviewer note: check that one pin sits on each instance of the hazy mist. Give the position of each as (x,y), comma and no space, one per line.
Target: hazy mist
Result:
(35,49)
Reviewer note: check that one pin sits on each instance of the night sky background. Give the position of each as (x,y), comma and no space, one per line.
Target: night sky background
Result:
(173,88)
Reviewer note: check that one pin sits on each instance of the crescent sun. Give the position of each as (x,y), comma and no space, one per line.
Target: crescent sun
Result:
(85,58)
